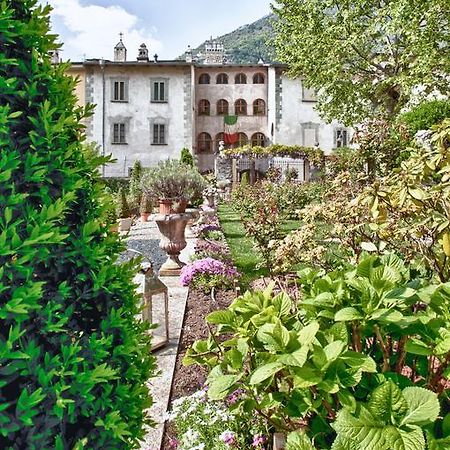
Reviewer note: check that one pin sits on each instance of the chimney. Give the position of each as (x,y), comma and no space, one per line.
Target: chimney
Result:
(143,53)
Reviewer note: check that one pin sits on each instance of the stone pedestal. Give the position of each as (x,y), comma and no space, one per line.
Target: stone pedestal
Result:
(194,214)
(172,228)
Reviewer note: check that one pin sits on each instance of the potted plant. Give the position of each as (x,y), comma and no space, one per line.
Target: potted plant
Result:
(146,207)
(174,184)
(123,211)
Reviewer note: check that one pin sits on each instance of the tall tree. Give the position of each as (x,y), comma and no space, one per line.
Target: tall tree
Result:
(73,359)
(365,57)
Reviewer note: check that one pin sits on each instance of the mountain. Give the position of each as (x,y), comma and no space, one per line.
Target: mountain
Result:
(248,44)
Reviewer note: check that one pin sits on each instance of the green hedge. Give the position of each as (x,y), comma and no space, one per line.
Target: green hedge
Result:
(425,115)
(73,359)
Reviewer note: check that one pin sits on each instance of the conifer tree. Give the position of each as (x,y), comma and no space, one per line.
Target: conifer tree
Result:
(73,358)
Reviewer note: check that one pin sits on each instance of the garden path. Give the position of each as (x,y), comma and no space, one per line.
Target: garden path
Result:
(144,237)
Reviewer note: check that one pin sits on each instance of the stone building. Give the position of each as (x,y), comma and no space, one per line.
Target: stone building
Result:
(148,109)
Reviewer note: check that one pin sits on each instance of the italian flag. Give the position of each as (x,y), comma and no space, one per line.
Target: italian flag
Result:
(230,130)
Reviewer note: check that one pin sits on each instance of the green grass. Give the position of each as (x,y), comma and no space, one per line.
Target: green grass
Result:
(244,256)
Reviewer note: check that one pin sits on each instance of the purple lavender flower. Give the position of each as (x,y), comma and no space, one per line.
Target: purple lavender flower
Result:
(229,438)
(234,396)
(206,266)
(173,443)
(258,440)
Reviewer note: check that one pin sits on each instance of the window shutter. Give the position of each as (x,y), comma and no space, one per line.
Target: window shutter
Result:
(126,90)
(165,86)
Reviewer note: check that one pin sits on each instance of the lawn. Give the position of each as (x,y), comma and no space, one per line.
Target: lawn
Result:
(245,257)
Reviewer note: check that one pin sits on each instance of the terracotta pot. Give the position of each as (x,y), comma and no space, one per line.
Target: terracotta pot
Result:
(144,217)
(172,206)
(172,228)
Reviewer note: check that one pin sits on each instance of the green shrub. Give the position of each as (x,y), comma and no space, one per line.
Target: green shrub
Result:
(114,184)
(135,185)
(186,157)
(74,360)
(123,208)
(425,115)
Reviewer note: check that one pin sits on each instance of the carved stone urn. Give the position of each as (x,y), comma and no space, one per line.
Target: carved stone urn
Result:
(194,215)
(172,227)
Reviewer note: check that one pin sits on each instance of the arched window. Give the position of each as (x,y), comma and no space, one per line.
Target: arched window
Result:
(242,139)
(204,108)
(204,78)
(258,78)
(219,137)
(222,107)
(240,78)
(222,78)
(258,139)
(259,107)
(204,143)
(240,107)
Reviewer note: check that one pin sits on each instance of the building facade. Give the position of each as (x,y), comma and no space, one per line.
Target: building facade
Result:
(148,110)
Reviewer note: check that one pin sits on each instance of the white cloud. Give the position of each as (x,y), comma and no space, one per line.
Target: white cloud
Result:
(92,31)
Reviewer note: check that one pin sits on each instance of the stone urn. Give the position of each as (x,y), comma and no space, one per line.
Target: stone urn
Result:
(172,227)
(194,215)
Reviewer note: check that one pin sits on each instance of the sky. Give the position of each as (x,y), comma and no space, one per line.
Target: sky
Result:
(90,28)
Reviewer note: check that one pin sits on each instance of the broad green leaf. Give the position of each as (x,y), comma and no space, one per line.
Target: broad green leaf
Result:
(221,317)
(298,440)
(347,314)
(333,350)
(423,406)
(307,334)
(297,358)
(387,403)
(220,386)
(417,347)
(265,371)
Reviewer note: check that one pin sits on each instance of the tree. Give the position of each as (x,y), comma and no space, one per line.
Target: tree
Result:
(73,359)
(365,57)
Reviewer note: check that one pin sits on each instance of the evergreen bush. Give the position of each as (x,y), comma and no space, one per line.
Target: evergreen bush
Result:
(123,208)
(74,361)
(135,185)
(425,115)
(186,157)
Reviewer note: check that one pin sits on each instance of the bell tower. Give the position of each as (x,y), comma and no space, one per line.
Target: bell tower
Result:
(120,51)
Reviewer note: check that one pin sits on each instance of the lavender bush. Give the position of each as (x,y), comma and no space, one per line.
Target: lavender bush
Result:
(208,273)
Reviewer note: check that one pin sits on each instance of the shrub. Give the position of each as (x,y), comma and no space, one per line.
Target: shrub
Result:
(123,209)
(366,348)
(135,185)
(74,360)
(186,157)
(208,274)
(425,115)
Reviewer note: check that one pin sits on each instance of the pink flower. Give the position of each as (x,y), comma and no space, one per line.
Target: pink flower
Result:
(229,438)
(173,443)
(258,439)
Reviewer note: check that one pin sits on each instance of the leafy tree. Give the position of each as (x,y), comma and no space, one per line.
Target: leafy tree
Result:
(186,157)
(365,56)
(74,361)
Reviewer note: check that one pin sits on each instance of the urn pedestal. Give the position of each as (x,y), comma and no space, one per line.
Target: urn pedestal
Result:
(172,227)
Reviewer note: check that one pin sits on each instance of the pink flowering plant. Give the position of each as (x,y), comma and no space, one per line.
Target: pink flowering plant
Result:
(209,273)
(203,424)
(212,249)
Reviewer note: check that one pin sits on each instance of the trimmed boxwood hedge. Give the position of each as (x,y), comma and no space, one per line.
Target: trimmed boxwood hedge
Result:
(73,358)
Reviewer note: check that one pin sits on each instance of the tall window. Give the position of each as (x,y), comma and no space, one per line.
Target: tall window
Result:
(222,107)
(258,78)
(219,137)
(119,91)
(222,78)
(308,94)
(118,135)
(159,90)
(240,78)
(240,107)
(204,78)
(340,137)
(258,139)
(259,107)
(204,143)
(204,108)
(159,134)
(242,139)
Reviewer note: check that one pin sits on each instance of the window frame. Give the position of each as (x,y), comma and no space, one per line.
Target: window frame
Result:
(208,140)
(240,107)
(345,141)
(159,129)
(206,76)
(241,142)
(119,137)
(220,111)
(155,94)
(240,75)
(204,107)
(118,82)
(256,107)
(259,74)
(222,78)
(255,139)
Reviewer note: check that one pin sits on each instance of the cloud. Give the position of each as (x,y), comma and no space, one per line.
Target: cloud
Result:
(92,31)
